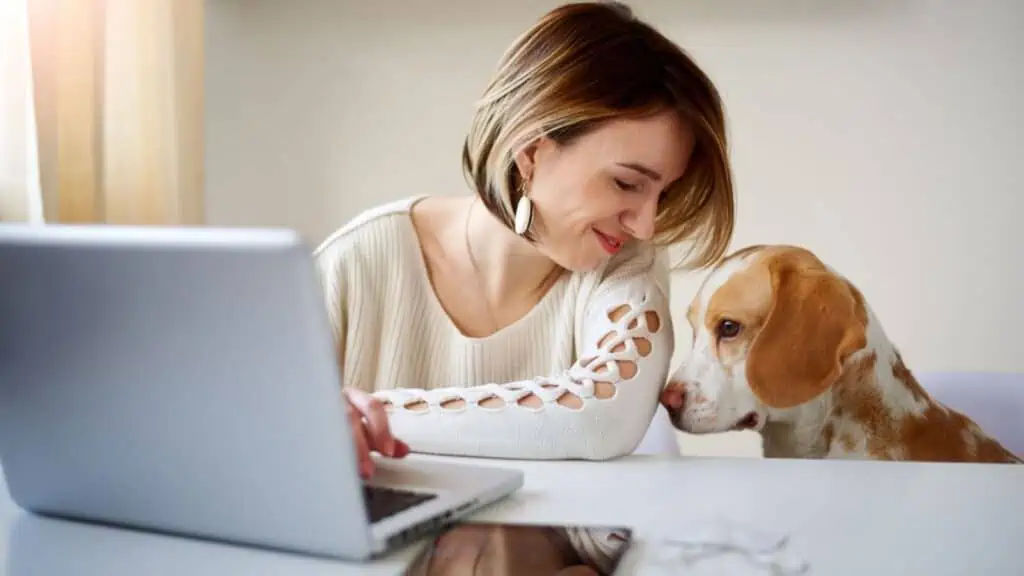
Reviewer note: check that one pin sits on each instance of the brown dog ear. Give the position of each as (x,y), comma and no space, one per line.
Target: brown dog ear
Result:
(814,324)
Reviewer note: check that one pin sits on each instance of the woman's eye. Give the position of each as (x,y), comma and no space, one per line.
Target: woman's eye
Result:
(728,328)
(625,185)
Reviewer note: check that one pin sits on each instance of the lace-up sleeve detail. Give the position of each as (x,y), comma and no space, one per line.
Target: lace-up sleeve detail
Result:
(596,409)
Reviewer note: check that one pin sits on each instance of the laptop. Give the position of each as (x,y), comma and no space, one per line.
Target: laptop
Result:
(184,380)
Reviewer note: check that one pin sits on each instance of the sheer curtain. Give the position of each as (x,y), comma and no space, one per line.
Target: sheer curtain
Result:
(110,95)
(20,198)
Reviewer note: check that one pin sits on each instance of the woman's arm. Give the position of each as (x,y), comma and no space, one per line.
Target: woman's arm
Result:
(599,408)
(367,419)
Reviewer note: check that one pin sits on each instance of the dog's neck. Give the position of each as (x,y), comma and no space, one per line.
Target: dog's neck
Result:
(855,417)
(878,410)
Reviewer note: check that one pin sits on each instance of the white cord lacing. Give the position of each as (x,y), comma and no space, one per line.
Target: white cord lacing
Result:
(579,380)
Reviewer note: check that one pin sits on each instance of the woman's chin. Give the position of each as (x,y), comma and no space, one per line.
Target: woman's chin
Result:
(582,263)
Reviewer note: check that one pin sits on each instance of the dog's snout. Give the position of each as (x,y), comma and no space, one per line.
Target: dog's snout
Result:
(677,395)
(696,398)
(690,408)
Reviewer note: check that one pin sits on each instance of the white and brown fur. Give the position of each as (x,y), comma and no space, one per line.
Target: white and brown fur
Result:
(810,369)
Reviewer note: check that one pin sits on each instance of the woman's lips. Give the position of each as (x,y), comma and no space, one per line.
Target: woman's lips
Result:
(611,244)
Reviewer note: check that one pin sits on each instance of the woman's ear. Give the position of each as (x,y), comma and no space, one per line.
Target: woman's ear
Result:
(528,158)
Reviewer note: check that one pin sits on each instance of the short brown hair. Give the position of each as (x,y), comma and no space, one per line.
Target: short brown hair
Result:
(586,62)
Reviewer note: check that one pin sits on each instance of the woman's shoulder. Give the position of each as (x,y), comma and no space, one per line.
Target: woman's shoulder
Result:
(372,248)
(377,226)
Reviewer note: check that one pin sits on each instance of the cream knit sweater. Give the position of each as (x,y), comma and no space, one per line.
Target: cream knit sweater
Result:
(395,340)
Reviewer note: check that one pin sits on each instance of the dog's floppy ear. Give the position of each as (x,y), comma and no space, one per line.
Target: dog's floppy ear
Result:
(814,324)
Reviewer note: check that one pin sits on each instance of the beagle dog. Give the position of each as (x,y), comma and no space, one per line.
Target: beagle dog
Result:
(785,346)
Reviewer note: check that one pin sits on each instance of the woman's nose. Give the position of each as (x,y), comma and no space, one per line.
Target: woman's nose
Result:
(639,220)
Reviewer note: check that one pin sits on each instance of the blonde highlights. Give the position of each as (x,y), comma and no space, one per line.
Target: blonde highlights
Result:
(588,62)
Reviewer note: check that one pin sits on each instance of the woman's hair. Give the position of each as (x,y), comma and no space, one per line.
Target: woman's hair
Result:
(588,62)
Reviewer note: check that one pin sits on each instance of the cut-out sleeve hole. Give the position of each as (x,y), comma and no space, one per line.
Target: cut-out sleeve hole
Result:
(627,369)
(530,401)
(416,406)
(492,402)
(653,321)
(604,390)
(453,404)
(643,346)
(570,400)
(618,312)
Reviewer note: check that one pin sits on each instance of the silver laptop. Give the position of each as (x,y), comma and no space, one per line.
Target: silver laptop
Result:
(184,380)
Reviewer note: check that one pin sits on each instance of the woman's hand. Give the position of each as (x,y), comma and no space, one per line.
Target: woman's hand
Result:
(370,430)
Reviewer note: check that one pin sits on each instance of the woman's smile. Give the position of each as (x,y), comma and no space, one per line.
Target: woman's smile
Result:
(610,244)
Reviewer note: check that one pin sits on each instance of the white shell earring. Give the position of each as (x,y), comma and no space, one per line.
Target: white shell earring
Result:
(524,215)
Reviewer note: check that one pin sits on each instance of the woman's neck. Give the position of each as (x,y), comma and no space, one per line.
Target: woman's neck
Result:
(509,266)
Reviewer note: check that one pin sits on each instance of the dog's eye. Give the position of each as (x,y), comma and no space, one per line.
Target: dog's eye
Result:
(728,328)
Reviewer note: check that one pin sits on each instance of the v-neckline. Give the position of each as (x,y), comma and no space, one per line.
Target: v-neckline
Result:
(412,236)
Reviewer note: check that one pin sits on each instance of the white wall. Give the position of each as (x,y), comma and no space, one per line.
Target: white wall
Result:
(883,134)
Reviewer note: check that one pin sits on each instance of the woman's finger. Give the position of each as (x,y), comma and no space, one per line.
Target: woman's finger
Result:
(361,443)
(377,421)
(401,449)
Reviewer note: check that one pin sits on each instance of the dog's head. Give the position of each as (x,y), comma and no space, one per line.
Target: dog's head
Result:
(772,327)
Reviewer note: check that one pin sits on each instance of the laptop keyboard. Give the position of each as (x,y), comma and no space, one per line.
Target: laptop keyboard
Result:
(384,502)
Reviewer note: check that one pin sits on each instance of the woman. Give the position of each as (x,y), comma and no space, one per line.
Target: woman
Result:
(531,319)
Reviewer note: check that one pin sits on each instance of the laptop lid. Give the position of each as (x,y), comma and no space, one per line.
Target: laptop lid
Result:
(177,379)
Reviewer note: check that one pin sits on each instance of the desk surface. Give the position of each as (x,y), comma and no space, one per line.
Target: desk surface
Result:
(844,517)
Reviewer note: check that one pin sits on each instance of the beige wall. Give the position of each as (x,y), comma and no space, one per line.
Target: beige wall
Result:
(884,134)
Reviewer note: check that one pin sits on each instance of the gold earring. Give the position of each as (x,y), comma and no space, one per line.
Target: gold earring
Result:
(524,211)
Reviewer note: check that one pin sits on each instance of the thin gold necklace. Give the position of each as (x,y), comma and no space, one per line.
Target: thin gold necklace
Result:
(548,281)
(479,275)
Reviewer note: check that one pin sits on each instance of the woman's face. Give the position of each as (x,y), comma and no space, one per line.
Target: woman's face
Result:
(600,192)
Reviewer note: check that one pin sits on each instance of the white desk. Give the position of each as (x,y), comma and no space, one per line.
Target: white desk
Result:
(844,517)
